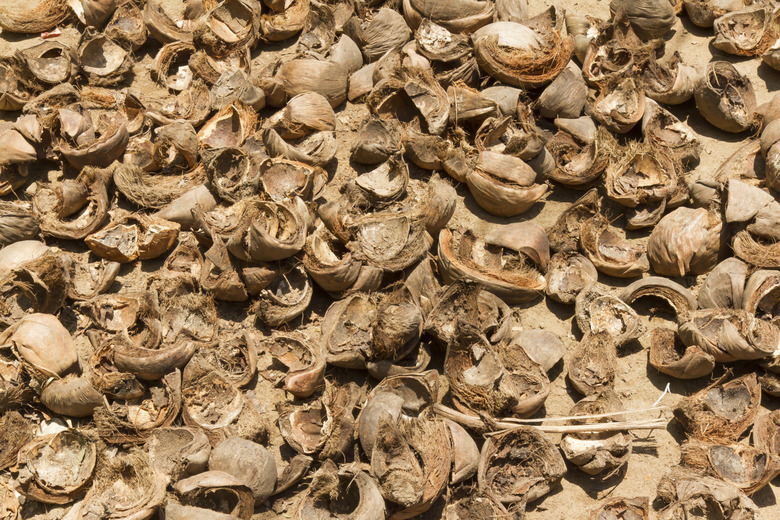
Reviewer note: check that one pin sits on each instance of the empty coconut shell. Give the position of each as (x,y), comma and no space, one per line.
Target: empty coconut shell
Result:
(722,411)
(678,297)
(744,467)
(725,97)
(601,312)
(349,490)
(612,254)
(593,363)
(135,237)
(620,107)
(304,364)
(248,462)
(729,335)
(748,32)
(685,241)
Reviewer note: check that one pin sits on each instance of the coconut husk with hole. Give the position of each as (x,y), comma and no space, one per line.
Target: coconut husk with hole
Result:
(747,32)
(519,465)
(641,176)
(734,112)
(597,311)
(741,466)
(232,173)
(184,265)
(729,335)
(669,356)
(594,363)
(298,366)
(671,82)
(689,494)
(661,128)
(229,127)
(614,52)
(45,16)
(46,64)
(126,486)
(612,254)
(178,452)
(619,107)
(722,412)
(103,61)
(516,281)
(42,462)
(425,151)
(17,432)
(270,231)
(135,237)
(348,491)
(534,54)
(132,420)
(285,298)
(170,66)
(600,454)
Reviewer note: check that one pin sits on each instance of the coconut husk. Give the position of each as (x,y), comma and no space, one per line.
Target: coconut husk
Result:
(155,191)
(286,297)
(465,502)
(46,64)
(762,293)
(671,82)
(619,507)
(317,149)
(565,233)
(232,173)
(469,105)
(649,18)
(732,113)
(135,237)
(132,421)
(525,64)
(43,460)
(270,231)
(517,281)
(597,453)
(729,335)
(741,466)
(103,61)
(127,26)
(724,285)
(578,165)
(170,66)
(641,176)
(330,492)
(178,452)
(756,252)
(209,33)
(55,205)
(765,434)
(594,363)
(597,311)
(37,286)
(45,16)
(17,222)
(248,462)
(669,356)
(519,465)
(126,486)
(17,432)
(748,32)
(72,396)
(661,128)
(235,356)
(690,494)
(191,105)
(376,141)
(229,127)
(619,107)
(612,254)
(678,297)
(325,78)
(389,240)
(685,241)
(722,412)
(335,269)
(302,370)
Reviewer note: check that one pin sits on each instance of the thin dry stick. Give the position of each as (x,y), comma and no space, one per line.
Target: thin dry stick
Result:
(501,424)
(579,417)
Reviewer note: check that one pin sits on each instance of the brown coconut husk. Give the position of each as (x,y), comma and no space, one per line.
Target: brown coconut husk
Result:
(593,363)
(565,233)
(16,432)
(612,254)
(742,466)
(722,412)
(759,253)
(669,356)
(147,190)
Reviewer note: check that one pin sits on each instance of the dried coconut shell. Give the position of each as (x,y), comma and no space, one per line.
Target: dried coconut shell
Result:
(671,83)
(170,66)
(567,274)
(17,222)
(661,128)
(72,396)
(248,462)
(178,452)
(734,112)
(17,432)
(305,75)
(620,107)
(722,412)
(233,173)
(747,32)
(48,63)
(741,466)
(229,127)
(565,233)
(678,297)
(229,25)
(329,492)
(612,254)
(133,238)
(37,286)
(600,312)
(103,61)
(334,268)
(286,297)
(44,16)
(376,141)
(685,241)
(303,362)
(578,164)
(669,356)
(519,465)
(127,26)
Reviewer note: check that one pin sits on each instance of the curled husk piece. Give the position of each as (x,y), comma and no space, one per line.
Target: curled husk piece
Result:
(270,231)
(578,163)
(465,256)
(286,297)
(642,176)
(689,494)
(493,378)
(525,55)
(142,489)
(72,396)
(178,452)
(661,128)
(127,26)
(565,97)
(57,468)
(303,360)
(386,183)
(594,363)
(678,297)
(722,412)
(669,356)
(565,233)
(748,32)
(619,107)
(612,254)
(136,237)
(597,453)
(349,491)
(744,467)
(308,75)
(762,293)
(724,286)
(704,12)
(73,210)
(170,67)
(233,173)
(759,253)
(230,25)
(285,179)
(725,97)
(102,149)
(686,241)
(47,64)
(729,335)
(229,127)
(17,222)
(389,240)
(671,83)
(519,465)
(155,191)
(600,312)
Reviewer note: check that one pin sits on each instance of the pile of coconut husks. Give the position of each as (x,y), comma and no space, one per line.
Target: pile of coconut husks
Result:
(221,298)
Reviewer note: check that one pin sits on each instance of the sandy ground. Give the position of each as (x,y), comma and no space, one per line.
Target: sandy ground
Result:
(638,384)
